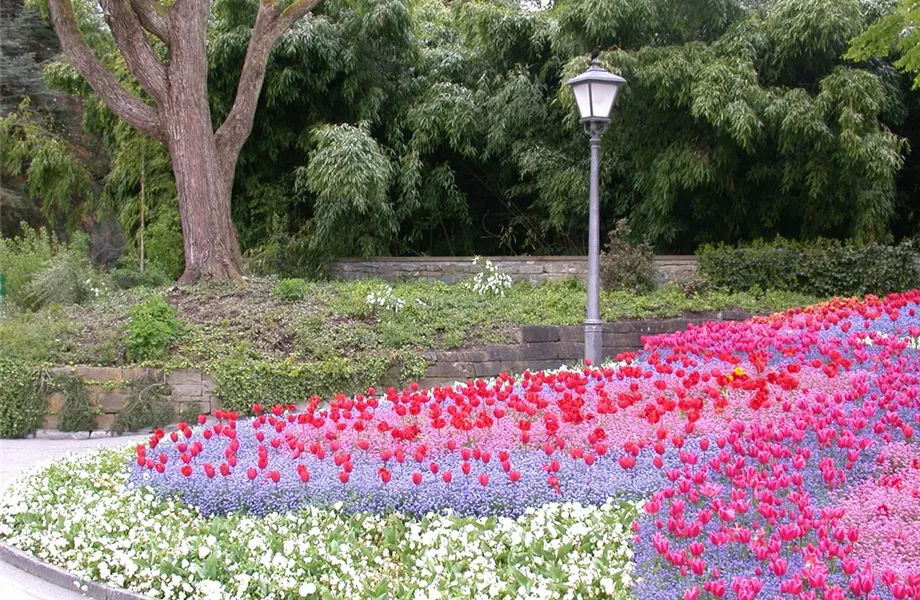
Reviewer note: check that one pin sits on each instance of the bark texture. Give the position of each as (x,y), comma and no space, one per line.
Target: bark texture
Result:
(203,160)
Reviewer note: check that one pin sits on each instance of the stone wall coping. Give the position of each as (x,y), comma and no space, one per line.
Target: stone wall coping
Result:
(451,269)
(686,258)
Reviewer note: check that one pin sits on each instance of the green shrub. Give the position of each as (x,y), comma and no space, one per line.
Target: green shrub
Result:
(23,397)
(69,278)
(163,242)
(821,268)
(40,270)
(626,265)
(244,380)
(693,285)
(152,328)
(287,254)
(43,336)
(291,289)
(146,408)
(78,413)
(128,274)
(350,298)
(22,258)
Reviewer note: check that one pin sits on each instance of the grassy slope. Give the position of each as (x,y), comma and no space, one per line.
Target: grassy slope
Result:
(333,319)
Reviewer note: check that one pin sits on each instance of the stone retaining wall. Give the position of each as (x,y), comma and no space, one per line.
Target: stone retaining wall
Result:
(549,346)
(111,387)
(536,347)
(521,268)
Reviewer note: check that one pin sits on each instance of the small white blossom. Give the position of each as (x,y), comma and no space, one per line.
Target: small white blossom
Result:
(490,280)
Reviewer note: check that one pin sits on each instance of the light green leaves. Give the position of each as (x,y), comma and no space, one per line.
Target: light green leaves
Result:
(898,34)
(349,176)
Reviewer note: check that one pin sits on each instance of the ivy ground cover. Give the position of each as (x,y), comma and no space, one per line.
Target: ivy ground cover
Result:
(775,458)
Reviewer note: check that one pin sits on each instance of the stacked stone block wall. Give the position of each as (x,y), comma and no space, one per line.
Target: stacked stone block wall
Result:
(549,346)
(534,348)
(535,269)
(110,388)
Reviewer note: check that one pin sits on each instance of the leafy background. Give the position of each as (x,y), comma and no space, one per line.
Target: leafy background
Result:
(426,127)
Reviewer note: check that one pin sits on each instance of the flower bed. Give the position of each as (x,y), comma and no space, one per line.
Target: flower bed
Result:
(770,458)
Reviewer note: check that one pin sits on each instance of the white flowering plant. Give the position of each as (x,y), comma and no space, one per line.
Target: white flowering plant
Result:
(80,514)
(385,299)
(490,280)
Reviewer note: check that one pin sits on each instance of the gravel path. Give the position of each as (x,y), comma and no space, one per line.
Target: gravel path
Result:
(18,456)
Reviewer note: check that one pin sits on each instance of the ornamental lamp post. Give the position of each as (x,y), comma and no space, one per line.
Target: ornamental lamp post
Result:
(595,92)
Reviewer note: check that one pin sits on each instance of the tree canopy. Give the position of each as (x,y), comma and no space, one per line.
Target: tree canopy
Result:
(445,127)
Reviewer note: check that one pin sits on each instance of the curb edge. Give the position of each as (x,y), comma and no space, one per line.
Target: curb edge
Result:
(61,578)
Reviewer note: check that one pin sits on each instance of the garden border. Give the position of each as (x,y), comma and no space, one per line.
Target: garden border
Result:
(63,579)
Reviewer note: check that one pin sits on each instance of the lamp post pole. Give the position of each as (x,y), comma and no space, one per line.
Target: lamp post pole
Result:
(595,93)
(594,328)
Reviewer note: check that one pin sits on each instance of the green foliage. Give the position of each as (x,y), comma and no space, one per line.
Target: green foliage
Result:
(152,217)
(243,380)
(23,397)
(70,277)
(895,34)
(259,347)
(152,328)
(128,274)
(44,336)
(42,271)
(22,258)
(54,175)
(349,177)
(287,254)
(395,128)
(821,268)
(291,289)
(78,412)
(626,265)
(146,408)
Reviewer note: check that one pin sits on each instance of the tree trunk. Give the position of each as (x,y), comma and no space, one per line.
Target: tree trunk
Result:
(203,161)
(209,236)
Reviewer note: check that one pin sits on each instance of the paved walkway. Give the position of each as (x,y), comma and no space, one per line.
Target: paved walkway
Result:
(16,457)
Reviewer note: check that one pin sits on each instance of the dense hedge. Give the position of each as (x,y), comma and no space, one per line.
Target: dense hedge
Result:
(821,268)
(23,398)
(242,381)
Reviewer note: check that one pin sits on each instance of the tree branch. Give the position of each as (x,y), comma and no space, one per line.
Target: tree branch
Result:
(294,13)
(271,22)
(154,17)
(132,43)
(143,117)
